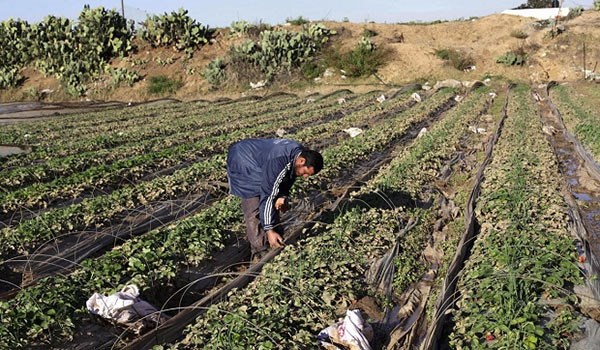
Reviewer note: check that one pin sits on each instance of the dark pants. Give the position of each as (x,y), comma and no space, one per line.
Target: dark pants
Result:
(254,232)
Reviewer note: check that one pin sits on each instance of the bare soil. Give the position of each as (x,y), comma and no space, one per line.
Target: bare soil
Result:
(560,58)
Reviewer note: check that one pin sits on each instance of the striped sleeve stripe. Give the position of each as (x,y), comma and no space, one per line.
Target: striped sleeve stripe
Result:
(271,199)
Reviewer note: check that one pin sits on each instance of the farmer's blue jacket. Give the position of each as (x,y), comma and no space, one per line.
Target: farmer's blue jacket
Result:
(262,168)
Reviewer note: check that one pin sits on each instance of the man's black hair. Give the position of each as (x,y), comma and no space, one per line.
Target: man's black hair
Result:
(313,159)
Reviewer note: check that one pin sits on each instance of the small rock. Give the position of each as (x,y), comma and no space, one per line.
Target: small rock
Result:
(381,98)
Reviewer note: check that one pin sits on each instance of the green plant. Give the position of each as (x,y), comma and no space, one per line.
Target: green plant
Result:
(239,28)
(16,35)
(214,72)
(9,76)
(597,5)
(298,21)
(105,32)
(162,84)
(275,52)
(457,59)
(363,60)
(254,30)
(368,33)
(574,12)
(123,75)
(33,93)
(176,29)
(512,58)
(164,62)
(312,69)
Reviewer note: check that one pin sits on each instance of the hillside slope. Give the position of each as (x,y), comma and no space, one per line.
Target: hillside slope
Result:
(560,58)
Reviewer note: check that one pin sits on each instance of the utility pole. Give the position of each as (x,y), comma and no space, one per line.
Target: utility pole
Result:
(122,9)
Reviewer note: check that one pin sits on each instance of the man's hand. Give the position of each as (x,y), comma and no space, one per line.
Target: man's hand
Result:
(282,204)
(275,239)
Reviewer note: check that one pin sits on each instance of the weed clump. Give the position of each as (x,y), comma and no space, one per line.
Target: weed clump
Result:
(298,21)
(162,84)
(457,59)
(363,60)
(516,57)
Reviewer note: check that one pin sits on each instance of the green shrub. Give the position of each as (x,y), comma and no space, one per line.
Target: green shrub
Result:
(123,75)
(363,60)
(368,33)
(512,58)
(254,30)
(312,69)
(442,54)
(298,21)
(597,5)
(275,52)
(104,32)
(574,12)
(162,84)
(239,28)
(214,72)
(176,29)
(457,59)
(9,77)
(16,35)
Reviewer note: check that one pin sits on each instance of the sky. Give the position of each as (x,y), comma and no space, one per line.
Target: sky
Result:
(222,13)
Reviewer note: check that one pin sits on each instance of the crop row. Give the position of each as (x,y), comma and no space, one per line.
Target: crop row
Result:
(160,156)
(96,213)
(194,131)
(159,126)
(160,119)
(149,260)
(416,169)
(523,256)
(309,284)
(580,114)
(34,132)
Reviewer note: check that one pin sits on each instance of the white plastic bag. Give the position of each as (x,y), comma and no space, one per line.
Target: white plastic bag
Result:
(352,332)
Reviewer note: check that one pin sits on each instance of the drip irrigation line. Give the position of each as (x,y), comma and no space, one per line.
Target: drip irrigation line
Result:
(576,214)
(171,330)
(448,295)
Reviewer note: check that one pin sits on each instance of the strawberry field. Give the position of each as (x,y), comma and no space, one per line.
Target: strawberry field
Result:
(459,218)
